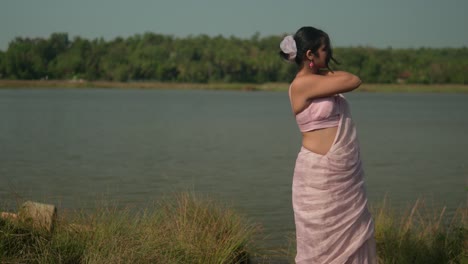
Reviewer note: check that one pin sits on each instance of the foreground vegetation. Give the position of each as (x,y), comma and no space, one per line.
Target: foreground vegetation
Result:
(190,229)
(386,88)
(419,235)
(205,59)
(182,229)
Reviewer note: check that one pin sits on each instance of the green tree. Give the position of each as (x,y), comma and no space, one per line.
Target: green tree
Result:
(202,58)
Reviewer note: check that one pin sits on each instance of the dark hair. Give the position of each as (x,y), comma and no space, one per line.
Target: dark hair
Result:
(310,38)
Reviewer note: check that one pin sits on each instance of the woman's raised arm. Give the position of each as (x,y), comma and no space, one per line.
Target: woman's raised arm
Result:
(317,86)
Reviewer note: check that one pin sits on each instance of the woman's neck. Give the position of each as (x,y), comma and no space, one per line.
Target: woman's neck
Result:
(306,70)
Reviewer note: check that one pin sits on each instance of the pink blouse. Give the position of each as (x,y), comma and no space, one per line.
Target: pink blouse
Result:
(320,113)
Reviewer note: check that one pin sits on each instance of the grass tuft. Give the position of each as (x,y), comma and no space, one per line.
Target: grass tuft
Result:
(180,229)
(420,235)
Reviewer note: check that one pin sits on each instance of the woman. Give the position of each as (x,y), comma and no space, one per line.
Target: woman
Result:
(333,223)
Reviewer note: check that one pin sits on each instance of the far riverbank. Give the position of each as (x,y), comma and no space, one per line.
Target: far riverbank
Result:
(387,88)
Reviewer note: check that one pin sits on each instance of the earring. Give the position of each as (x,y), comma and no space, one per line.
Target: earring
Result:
(311,64)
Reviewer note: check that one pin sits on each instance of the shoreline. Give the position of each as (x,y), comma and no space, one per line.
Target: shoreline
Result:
(278,87)
(192,228)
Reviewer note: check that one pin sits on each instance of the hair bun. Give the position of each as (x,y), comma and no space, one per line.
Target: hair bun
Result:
(288,46)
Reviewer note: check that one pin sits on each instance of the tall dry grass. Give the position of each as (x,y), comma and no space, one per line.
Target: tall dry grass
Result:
(180,229)
(188,228)
(421,234)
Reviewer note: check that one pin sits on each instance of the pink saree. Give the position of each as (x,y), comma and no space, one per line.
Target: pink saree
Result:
(333,223)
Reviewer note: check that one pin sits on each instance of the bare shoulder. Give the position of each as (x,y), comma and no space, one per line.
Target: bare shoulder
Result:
(312,86)
(303,82)
(327,72)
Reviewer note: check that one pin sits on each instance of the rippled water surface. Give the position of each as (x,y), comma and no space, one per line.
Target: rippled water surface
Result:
(72,147)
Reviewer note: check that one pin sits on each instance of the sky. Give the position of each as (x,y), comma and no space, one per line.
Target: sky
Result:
(349,23)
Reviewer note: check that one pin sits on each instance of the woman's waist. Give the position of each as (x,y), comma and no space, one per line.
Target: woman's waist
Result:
(319,141)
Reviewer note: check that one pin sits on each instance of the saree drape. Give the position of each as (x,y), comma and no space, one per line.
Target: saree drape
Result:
(333,223)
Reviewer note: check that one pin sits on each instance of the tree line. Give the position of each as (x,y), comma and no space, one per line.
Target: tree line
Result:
(199,59)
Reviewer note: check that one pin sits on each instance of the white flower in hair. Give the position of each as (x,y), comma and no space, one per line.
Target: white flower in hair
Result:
(288,46)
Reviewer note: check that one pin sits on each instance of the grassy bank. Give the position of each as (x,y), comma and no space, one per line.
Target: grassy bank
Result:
(421,235)
(181,229)
(190,229)
(440,88)
(418,235)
